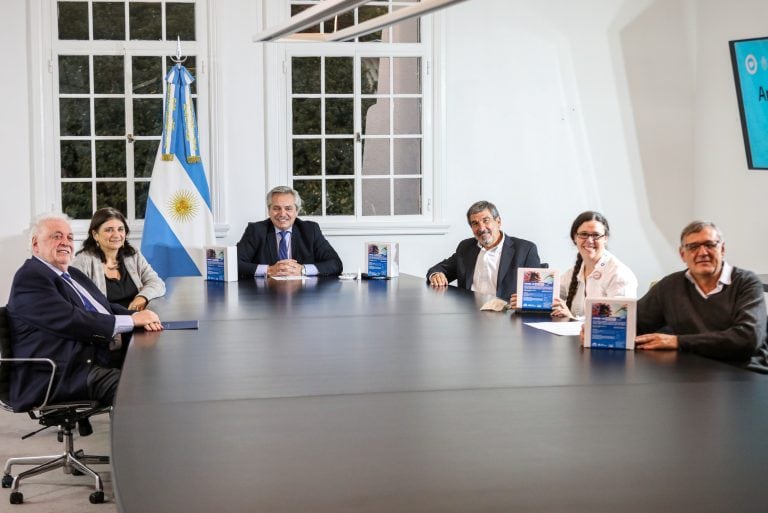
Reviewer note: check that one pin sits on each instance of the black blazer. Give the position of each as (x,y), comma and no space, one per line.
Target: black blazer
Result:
(258,245)
(461,265)
(48,320)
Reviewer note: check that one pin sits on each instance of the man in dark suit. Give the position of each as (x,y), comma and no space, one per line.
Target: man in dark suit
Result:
(488,262)
(284,245)
(56,312)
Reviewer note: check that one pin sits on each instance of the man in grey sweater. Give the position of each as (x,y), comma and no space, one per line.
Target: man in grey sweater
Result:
(712,309)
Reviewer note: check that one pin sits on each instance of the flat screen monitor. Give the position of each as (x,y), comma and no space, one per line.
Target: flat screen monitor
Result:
(750,70)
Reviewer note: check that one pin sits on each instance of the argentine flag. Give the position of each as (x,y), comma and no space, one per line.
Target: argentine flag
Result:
(178,222)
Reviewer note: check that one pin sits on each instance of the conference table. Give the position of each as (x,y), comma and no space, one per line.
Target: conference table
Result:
(388,396)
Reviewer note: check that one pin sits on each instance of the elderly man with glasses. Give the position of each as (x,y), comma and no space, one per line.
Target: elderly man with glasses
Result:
(712,308)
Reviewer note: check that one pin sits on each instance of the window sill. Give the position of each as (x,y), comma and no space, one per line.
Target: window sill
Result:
(374,229)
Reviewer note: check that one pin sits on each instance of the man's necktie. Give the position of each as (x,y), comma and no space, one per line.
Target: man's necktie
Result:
(282,249)
(86,302)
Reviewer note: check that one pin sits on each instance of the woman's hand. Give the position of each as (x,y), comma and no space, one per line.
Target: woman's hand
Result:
(560,310)
(139,303)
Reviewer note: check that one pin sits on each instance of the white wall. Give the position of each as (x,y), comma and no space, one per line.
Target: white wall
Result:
(551,107)
(15,194)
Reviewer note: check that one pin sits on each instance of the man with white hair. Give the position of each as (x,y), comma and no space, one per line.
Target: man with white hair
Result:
(56,312)
(283,244)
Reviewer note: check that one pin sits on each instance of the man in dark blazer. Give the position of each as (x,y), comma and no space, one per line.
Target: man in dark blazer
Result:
(488,262)
(56,312)
(284,245)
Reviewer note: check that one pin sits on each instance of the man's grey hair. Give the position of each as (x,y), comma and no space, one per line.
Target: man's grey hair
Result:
(696,227)
(37,224)
(284,189)
(479,206)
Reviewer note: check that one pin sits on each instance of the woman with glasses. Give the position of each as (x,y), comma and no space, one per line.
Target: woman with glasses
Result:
(596,273)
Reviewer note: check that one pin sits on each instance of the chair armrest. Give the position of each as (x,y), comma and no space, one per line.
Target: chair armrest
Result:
(38,360)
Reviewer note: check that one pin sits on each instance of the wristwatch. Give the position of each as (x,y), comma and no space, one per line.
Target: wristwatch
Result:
(303,270)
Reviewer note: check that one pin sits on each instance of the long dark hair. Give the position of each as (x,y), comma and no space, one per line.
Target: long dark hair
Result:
(100,217)
(584,217)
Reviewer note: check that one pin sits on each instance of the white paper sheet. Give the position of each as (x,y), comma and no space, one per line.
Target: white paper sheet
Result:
(558,328)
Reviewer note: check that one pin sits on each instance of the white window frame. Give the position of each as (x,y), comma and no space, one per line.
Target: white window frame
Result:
(44,50)
(277,58)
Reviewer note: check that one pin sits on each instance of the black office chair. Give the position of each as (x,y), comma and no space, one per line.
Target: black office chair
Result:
(65,416)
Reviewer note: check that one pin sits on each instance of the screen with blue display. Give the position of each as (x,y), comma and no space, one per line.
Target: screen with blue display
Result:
(750,69)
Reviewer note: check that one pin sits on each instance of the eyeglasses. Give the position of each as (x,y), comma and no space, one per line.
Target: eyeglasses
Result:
(587,235)
(694,246)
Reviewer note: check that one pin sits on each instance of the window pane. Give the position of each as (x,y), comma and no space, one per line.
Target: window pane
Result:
(340,197)
(144,154)
(407,114)
(180,21)
(306,75)
(73,20)
(407,31)
(407,157)
(339,22)
(311,197)
(375,113)
(110,116)
(75,159)
(296,9)
(141,193)
(374,75)
(306,157)
(110,159)
(375,157)
(408,196)
(338,116)
(109,20)
(73,74)
(338,75)
(108,74)
(76,199)
(74,116)
(147,75)
(339,157)
(368,12)
(407,75)
(376,197)
(148,116)
(145,21)
(111,194)
(306,116)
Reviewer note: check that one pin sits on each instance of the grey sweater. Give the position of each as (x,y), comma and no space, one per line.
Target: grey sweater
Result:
(729,325)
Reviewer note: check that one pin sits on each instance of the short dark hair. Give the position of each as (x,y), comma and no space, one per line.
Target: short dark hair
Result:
(100,217)
(284,189)
(479,206)
(696,227)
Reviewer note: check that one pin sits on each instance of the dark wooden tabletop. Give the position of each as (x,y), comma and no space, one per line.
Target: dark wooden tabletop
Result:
(388,396)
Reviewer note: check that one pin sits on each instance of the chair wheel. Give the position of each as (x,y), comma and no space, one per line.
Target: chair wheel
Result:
(96,497)
(7,481)
(17,497)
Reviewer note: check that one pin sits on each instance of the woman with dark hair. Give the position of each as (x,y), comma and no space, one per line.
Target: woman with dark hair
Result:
(119,270)
(596,273)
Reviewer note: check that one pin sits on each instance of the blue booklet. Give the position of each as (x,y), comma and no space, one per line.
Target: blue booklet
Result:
(537,288)
(180,325)
(610,323)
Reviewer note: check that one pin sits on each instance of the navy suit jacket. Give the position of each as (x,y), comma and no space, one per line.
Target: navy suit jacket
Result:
(48,320)
(461,265)
(258,245)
